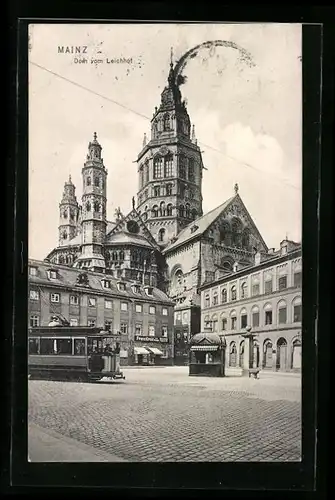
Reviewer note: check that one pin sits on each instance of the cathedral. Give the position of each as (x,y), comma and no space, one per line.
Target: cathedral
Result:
(165,241)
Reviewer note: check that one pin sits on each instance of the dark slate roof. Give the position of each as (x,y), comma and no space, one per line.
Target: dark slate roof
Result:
(202,223)
(67,277)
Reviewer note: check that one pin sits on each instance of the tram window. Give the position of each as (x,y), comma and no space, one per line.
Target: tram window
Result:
(92,345)
(79,347)
(33,346)
(47,346)
(64,346)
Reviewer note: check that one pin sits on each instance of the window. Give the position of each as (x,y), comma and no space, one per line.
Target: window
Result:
(34,320)
(33,346)
(244,320)
(268,317)
(233,323)
(91,322)
(55,297)
(53,274)
(166,122)
(138,308)
(158,168)
(214,322)
(106,283)
(169,210)
(224,323)
(215,299)
(191,169)
(155,211)
(151,331)
(282,312)
(223,295)
(88,181)
(88,207)
(255,318)
(268,286)
(138,329)
(73,322)
(255,289)
(164,311)
(79,347)
(124,328)
(233,292)
(74,300)
(297,310)
(161,234)
(168,166)
(34,295)
(182,167)
(96,181)
(244,292)
(32,271)
(157,191)
(91,301)
(297,279)
(121,286)
(47,346)
(124,306)
(164,331)
(108,304)
(152,310)
(207,301)
(108,325)
(282,283)
(168,189)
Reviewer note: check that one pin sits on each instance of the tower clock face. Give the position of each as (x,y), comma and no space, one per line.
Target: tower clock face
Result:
(133,227)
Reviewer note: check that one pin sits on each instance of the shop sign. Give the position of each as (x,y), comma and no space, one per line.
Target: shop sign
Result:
(151,339)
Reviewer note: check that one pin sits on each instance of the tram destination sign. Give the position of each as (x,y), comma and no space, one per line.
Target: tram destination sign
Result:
(151,339)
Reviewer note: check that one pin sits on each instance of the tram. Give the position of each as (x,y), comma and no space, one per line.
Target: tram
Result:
(73,352)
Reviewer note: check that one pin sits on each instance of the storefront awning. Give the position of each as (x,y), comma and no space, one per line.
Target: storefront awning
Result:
(204,348)
(140,350)
(154,350)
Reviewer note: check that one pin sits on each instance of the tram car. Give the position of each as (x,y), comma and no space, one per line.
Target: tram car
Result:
(73,352)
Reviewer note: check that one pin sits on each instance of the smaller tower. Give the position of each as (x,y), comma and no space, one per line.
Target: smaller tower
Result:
(68,214)
(93,213)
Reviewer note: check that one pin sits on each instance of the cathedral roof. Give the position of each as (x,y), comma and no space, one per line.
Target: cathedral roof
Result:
(124,238)
(198,227)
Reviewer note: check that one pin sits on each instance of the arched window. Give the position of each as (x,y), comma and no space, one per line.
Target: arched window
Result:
(236,228)
(233,320)
(244,290)
(155,211)
(182,167)
(244,318)
(61,259)
(169,210)
(182,189)
(88,181)
(168,189)
(187,211)
(114,256)
(255,316)
(97,181)
(121,255)
(96,206)
(157,191)
(161,234)
(166,122)
(296,306)
(268,314)
(224,233)
(162,209)
(215,298)
(223,322)
(194,214)
(64,235)
(181,211)
(246,238)
(233,295)
(168,166)
(267,356)
(141,176)
(207,300)
(227,264)
(282,312)
(71,215)
(158,167)
(223,295)
(191,169)
(88,207)
(232,354)
(207,322)
(214,321)
(65,214)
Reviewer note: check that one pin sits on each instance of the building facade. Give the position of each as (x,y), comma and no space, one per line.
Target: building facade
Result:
(265,297)
(142,314)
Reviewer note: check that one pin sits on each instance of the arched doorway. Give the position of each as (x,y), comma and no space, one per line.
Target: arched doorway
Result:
(232,354)
(281,362)
(241,354)
(255,355)
(267,359)
(296,355)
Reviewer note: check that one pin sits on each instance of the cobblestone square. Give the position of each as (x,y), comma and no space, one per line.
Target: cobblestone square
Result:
(161,414)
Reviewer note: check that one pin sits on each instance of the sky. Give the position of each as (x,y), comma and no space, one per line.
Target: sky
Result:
(247,117)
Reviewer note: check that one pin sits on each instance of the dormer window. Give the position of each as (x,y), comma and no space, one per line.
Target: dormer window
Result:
(52,274)
(121,286)
(149,290)
(32,271)
(106,283)
(135,288)
(194,228)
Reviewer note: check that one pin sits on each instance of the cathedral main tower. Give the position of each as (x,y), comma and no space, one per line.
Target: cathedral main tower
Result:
(94,200)
(170,168)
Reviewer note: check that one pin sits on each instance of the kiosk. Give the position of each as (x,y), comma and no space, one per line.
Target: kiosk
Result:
(207,355)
